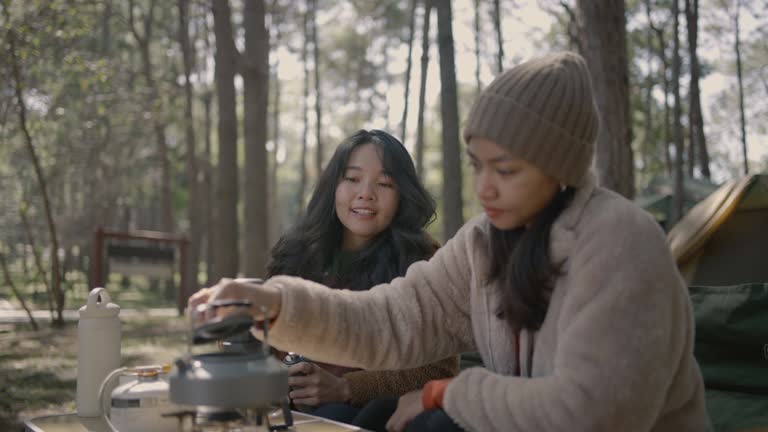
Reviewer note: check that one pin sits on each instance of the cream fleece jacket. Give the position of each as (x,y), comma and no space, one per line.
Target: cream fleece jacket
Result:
(615,351)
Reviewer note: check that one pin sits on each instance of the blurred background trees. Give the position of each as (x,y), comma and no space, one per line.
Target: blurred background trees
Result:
(212,119)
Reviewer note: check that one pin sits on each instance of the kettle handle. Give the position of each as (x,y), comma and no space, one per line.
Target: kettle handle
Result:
(95,294)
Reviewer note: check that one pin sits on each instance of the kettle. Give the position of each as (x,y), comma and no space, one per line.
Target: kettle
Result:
(239,382)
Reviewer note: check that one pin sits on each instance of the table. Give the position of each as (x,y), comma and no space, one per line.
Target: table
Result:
(72,423)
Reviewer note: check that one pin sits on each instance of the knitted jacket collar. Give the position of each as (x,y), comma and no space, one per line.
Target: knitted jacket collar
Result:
(563,235)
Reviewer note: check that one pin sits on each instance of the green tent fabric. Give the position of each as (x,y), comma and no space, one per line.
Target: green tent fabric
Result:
(736,412)
(732,350)
(656,198)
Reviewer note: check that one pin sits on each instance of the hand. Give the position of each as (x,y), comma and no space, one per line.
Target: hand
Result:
(260,296)
(312,385)
(408,407)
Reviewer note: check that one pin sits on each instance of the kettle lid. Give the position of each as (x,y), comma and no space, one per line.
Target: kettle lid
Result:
(219,329)
(99,305)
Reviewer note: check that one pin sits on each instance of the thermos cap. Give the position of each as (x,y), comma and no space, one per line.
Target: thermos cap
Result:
(99,305)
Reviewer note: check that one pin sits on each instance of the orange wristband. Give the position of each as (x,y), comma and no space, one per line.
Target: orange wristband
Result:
(432,395)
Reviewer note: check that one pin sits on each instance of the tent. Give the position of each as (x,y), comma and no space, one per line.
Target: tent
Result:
(656,198)
(723,239)
(731,350)
(719,246)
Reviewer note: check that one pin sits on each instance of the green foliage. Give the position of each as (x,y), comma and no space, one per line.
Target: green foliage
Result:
(91,119)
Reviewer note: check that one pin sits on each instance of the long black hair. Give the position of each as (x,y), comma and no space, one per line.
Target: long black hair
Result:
(308,249)
(522,269)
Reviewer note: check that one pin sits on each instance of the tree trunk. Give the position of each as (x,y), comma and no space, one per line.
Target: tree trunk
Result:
(22,110)
(690,166)
(274,216)
(678,197)
(409,62)
(453,217)
(193,209)
(318,95)
(9,281)
(166,194)
(208,198)
(383,111)
(603,36)
(25,266)
(106,33)
(649,140)
(155,106)
(690,149)
(572,27)
(763,74)
(207,188)
(665,76)
(739,75)
(423,89)
(696,120)
(37,256)
(256,100)
(305,113)
(478,82)
(227,253)
(499,37)
(274,203)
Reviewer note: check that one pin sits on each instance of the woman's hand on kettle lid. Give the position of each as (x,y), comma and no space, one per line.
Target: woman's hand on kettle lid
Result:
(231,296)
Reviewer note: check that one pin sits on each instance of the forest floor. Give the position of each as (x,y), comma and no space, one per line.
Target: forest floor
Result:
(38,369)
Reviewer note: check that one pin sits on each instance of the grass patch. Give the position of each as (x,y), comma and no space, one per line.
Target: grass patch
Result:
(38,370)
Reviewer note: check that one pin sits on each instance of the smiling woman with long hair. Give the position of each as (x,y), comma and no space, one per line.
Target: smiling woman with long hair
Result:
(364,226)
(310,247)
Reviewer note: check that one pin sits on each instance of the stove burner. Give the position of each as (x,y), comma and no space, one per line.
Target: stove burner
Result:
(218,416)
(206,418)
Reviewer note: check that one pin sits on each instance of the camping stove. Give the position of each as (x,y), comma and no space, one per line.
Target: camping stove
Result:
(238,387)
(231,391)
(231,421)
(241,387)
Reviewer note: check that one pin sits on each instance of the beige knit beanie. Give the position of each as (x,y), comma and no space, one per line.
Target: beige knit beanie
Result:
(543,112)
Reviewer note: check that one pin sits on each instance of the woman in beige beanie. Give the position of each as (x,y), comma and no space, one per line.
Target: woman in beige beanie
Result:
(567,290)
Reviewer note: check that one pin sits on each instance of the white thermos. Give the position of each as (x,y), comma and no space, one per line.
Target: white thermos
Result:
(98,351)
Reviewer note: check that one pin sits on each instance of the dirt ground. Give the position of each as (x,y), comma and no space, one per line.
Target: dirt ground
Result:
(38,369)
